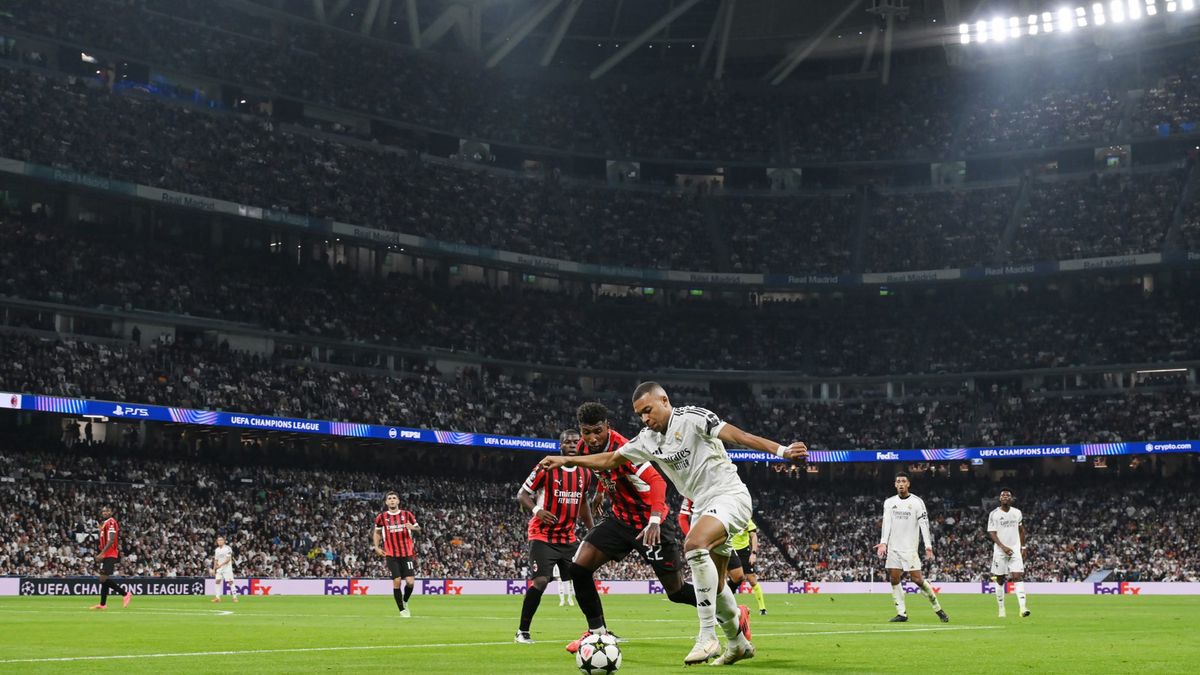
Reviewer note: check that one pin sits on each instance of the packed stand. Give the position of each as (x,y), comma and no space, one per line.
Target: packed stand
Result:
(280,522)
(790,235)
(976,332)
(1113,214)
(1172,104)
(1140,525)
(936,229)
(1081,111)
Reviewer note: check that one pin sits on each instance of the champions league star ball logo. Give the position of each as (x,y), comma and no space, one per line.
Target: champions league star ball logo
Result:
(27,588)
(197,587)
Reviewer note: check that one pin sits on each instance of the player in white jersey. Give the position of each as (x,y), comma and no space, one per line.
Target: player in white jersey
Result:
(688,445)
(566,587)
(905,521)
(222,570)
(1007,532)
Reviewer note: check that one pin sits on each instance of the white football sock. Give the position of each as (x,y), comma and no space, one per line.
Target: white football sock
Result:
(727,612)
(1019,587)
(704,577)
(898,599)
(930,595)
(1000,589)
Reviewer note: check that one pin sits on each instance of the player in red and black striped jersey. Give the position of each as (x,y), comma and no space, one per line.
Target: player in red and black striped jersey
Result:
(393,529)
(110,553)
(558,499)
(638,495)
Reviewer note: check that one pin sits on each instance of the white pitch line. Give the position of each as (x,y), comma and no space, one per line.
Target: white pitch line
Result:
(443,645)
(133,612)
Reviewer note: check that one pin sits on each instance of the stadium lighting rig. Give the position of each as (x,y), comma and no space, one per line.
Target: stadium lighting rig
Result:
(1067,19)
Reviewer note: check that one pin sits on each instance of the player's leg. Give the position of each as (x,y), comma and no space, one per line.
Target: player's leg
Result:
(927,590)
(894,573)
(736,573)
(562,588)
(409,569)
(1001,589)
(706,534)
(1017,572)
(542,557)
(232,587)
(107,585)
(752,579)
(589,558)
(103,588)
(396,573)
(667,561)
(218,580)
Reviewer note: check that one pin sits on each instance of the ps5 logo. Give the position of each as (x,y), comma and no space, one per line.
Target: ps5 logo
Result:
(130,411)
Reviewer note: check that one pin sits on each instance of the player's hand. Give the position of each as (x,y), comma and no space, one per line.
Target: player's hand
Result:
(753,557)
(796,453)
(547,517)
(651,535)
(929,554)
(553,462)
(379,550)
(1007,550)
(881,550)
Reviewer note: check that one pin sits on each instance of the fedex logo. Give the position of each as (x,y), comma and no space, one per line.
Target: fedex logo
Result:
(440,587)
(656,587)
(130,411)
(348,587)
(887,456)
(601,589)
(515,587)
(910,587)
(806,587)
(253,587)
(1122,588)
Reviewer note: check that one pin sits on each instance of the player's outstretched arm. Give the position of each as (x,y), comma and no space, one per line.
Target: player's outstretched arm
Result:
(605,461)
(796,452)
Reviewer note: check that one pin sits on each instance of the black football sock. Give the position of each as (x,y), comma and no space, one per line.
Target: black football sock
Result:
(408,589)
(686,595)
(587,597)
(116,588)
(399,596)
(533,598)
(104,593)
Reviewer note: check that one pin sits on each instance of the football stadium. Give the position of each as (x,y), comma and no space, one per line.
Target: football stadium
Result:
(554,336)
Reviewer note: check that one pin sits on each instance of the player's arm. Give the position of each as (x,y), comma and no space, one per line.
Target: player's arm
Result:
(604,461)
(585,513)
(923,526)
(1021,531)
(651,535)
(412,526)
(995,537)
(753,546)
(598,498)
(885,535)
(796,452)
(685,516)
(525,498)
(377,535)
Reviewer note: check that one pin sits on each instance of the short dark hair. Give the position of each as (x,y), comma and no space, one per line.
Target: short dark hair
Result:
(902,474)
(390,493)
(1004,489)
(569,431)
(647,388)
(592,412)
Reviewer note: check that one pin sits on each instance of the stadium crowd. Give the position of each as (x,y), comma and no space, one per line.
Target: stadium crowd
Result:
(975,332)
(313,522)
(1138,525)
(919,117)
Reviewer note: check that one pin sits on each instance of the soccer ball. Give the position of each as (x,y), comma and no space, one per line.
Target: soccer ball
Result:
(598,654)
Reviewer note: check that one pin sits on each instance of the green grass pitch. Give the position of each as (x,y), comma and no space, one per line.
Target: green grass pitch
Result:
(802,633)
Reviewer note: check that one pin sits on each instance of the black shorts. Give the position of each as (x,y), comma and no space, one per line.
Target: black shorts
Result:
(543,557)
(400,566)
(743,554)
(735,561)
(107,565)
(616,539)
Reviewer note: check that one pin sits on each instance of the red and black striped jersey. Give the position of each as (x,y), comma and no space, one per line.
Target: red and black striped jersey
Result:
(562,492)
(397,540)
(635,490)
(109,536)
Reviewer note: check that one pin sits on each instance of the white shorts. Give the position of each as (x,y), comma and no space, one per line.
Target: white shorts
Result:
(1003,565)
(907,561)
(226,575)
(734,512)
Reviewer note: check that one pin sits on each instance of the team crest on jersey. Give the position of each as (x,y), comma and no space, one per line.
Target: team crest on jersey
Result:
(679,436)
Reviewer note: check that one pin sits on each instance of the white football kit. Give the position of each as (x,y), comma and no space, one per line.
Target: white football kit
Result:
(1007,526)
(223,561)
(904,522)
(694,459)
